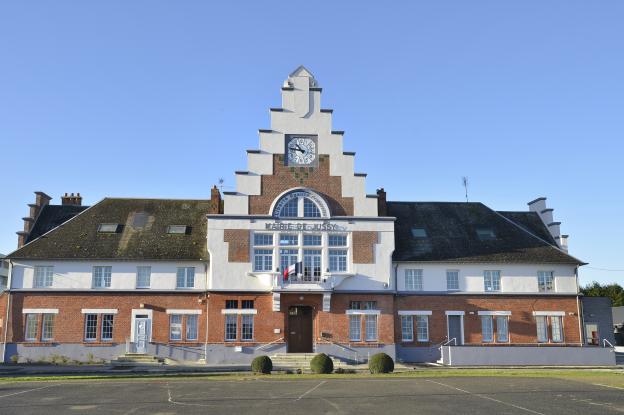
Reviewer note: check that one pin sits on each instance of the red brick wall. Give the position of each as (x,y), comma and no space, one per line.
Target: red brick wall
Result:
(522,326)
(238,244)
(317,178)
(69,323)
(364,247)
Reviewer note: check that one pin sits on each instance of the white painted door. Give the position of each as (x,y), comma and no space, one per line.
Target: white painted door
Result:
(141,334)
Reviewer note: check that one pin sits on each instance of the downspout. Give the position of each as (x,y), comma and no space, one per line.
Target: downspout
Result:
(206,297)
(6,321)
(579,308)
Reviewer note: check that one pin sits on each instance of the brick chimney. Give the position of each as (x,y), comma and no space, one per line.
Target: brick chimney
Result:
(41,200)
(70,199)
(215,199)
(382,206)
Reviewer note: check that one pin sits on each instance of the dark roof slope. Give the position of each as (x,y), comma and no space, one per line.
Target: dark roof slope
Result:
(142,234)
(531,222)
(52,216)
(452,235)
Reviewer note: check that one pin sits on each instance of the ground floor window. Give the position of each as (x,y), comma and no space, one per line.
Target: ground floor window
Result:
(91,327)
(191,327)
(371,327)
(247,327)
(355,328)
(230,327)
(422,328)
(487,329)
(30,331)
(47,327)
(556,329)
(407,328)
(107,327)
(182,323)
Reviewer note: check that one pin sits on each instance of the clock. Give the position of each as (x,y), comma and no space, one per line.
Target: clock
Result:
(301,150)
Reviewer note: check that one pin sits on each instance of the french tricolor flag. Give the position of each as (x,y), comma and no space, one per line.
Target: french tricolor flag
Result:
(291,270)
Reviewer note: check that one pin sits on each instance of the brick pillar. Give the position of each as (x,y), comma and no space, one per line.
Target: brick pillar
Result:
(382,206)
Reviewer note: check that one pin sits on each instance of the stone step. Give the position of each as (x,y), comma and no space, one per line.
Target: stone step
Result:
(131,359)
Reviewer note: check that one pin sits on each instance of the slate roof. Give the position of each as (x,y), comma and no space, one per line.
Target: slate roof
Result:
(52,216)
(452,234)
(79,238)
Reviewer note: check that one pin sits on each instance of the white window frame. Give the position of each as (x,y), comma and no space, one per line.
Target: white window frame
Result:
(263,260)
(371,322)
(46,337)
(407,328)
(43,276)
(450,272)
(188,279)
(492,280)
(420,318)
(355,327)
(102,276)
(87,319)
(229,318)
(542,281)
(191,335)
(247,319)
(487,329)
(414,279)
(31,320)
(141,273)
(338,259)
(178,325)
(499,337)
(112,327)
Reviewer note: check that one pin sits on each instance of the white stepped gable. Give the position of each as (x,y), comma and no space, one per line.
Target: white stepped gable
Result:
(300,114)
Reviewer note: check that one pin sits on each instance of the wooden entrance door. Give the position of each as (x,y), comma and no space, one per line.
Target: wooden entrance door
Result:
(300,329)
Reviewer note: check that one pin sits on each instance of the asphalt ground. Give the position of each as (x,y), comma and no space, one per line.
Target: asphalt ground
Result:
(452,395)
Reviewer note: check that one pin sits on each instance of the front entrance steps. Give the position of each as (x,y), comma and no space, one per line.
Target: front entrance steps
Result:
(294,361)
(137,359)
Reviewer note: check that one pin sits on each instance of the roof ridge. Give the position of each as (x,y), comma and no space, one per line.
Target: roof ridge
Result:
(154,198)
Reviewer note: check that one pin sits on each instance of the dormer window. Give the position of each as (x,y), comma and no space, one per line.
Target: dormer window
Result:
(108,228)
(177,229)
(419,233)
(486,234)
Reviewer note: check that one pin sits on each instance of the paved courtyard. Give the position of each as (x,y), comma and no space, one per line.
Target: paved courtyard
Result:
(453,395)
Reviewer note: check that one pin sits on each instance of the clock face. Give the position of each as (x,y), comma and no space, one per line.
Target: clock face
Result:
(301,151)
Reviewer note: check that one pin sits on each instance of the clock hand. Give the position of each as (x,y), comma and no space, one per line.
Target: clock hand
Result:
(296,149)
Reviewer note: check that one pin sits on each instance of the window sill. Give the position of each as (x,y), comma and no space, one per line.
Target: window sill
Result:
(241,343)
(184,343)
(98,344)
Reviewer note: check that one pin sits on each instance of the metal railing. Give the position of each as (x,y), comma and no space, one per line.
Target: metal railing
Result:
(605,342)
(356,358)
(269,344)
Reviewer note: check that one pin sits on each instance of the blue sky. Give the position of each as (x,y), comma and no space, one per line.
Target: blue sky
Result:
(162,98)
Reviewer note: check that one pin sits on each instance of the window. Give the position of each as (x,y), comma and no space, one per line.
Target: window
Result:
(289,240)
(30,332)
(108,227)
(263,239)
(191,327)
(422,328)
(288,257)
(143,277)
(355,327)
(231,304)
(545,281)
(355,305)
(102,277)
(230,327)
(311,264)
(107,327)
(263,260)
(419,233)
(542,328)
(47,327)
(248,304)
(338,260)
(502,329)
(407,328)
(175,327)
(91,327)
(491,280)
(311,240)
(452,280)
(310,210)
(178,229)
(486,234)
(185,277)
(337,240)
(414,279)
(290,209)
(557,329)
(487,329)
(369,305)
(43,277)
(247,327)
(371,327)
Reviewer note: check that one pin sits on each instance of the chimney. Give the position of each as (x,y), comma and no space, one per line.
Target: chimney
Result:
(215,200)
(382,206)
(71,200)
(546,215)
(41,200)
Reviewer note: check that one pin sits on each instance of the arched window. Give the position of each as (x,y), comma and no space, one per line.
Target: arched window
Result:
(300,204)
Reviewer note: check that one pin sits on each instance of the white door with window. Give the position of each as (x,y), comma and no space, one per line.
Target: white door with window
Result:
(141,333)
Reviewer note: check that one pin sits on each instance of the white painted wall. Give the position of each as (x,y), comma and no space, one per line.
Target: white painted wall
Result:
(515,278)
(78,274)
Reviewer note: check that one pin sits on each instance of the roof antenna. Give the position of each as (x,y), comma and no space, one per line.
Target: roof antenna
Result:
(465,183)
(221,181)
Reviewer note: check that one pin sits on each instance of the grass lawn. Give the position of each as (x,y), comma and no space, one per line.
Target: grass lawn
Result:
(606,377)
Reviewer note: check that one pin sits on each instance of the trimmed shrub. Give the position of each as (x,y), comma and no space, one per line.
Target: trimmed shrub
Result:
(321,363)
(262,364)
(381,363)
